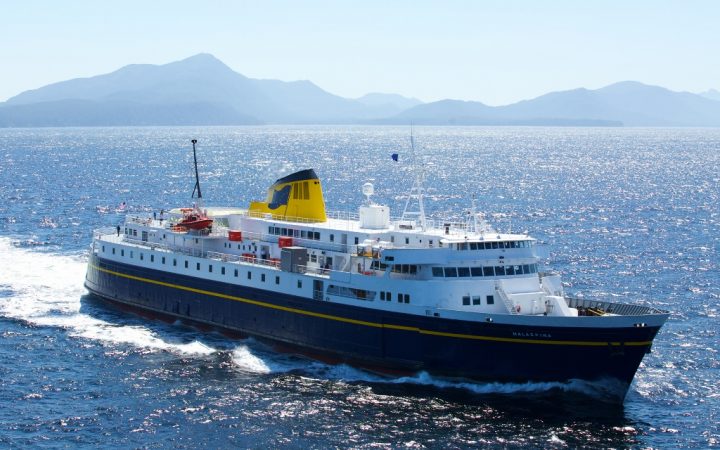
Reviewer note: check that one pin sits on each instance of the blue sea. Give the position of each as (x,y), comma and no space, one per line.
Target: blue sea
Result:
(625,214)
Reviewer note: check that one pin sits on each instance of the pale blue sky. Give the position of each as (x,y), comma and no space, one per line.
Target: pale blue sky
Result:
(496,52)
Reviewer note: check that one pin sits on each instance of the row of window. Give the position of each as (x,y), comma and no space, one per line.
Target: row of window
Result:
(197,266)
(396,268)
(249,247)
(401,298)
(303,234)
(493,245)
(477,300)
(362,294)
(485,271)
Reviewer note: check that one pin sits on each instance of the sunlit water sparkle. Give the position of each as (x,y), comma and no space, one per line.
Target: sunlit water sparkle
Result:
(627,214)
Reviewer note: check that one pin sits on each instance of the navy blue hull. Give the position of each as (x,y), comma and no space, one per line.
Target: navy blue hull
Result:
(380,339)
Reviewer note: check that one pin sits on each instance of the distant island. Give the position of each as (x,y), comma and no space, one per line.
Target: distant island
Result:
(202,90)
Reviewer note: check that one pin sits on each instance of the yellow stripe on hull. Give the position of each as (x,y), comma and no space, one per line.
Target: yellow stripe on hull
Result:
(371,324)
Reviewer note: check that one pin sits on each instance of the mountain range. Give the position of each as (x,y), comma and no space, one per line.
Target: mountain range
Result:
(201,90)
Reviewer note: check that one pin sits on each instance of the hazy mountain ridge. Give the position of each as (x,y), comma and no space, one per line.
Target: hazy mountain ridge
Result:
(712,94)
(629,102)
(202,90)
(81,112)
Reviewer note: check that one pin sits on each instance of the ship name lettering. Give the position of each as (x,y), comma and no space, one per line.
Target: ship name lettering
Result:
(530,334)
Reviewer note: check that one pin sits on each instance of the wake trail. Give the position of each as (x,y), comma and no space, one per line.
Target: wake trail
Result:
(45,289)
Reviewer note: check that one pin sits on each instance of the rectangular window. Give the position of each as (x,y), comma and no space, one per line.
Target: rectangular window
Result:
(249,275)
(407,298)
(197,266)
(113,250)
(451,272)
(499,271)
(163,260)
(299,283)
(186,264)
(382,295)
(490,300)
(141,257)
(277,280)
(466,300)
(388,296)
(495,245)
(103,249)
(357,240)
(317,235)
(122,252)
(488,271)
(210,268)
(473,246)
(332,238)
(235,273)
(476,300)
(407,240)
(262,277)
(476,271)
(510,270)
(303,234)
(152,258)
(222,271)
(174,262)
(526,268)
(131,254)
(464,271)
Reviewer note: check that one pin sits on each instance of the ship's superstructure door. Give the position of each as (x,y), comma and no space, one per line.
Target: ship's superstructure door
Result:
(318,289)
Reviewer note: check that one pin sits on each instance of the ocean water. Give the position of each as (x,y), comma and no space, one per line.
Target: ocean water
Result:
(626,214)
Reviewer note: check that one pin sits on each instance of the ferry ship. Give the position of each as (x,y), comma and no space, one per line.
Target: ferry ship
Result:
(458,300)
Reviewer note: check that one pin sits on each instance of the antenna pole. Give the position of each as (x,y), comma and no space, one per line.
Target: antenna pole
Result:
(197,176)
(416,192)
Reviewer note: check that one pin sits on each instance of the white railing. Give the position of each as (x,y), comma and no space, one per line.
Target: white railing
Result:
(431,224)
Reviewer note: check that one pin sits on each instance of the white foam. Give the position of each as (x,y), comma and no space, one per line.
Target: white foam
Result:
(245,360)
(601,389)
(45,290)
(605,388)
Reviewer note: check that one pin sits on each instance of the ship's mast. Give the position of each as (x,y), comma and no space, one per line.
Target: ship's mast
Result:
(416,192)
(197,176)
